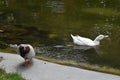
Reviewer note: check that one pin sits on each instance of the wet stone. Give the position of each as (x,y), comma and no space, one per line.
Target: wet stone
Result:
(1,58)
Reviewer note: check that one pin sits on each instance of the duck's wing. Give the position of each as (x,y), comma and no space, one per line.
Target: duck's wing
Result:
(85,41)
(77,41)
(82,41)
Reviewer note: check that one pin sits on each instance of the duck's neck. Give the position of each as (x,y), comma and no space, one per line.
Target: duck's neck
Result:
(96,42)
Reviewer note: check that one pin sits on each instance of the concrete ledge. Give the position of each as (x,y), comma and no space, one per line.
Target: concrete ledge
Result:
(42,70)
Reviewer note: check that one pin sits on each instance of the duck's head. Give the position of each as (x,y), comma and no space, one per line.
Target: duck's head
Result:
(24,50)
(100,37)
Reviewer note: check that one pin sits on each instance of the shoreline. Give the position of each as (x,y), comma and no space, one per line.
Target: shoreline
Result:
(43,70)
(103,69)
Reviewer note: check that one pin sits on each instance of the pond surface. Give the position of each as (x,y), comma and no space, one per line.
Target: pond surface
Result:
(47,24)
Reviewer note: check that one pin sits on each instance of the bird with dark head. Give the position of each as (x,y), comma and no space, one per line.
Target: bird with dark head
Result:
(27,52)
(24,50)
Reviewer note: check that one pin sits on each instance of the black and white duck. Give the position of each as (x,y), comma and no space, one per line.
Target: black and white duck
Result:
(26,51)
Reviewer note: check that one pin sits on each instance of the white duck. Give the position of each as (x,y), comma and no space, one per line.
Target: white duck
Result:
(26,51)
(86,41)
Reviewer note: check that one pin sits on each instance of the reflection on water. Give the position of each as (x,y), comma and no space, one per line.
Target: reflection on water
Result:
(56,6)
(82,47)
(47,24)
(61,52)
(92,55)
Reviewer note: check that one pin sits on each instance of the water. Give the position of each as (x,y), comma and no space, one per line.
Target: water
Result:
(47,24)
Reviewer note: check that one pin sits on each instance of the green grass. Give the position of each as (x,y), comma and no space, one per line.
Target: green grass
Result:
(9,76)
(8,50)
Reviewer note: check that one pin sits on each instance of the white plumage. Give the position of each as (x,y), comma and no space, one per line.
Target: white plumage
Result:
(86,41)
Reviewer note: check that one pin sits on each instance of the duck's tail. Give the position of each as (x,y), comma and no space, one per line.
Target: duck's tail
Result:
(72,36)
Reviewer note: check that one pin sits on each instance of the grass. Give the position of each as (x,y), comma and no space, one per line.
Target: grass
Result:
(9,76)
(8,50)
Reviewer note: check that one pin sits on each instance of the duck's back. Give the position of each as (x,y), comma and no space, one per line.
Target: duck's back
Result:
(82,41)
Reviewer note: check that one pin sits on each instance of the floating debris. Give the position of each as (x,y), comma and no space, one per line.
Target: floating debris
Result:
(59,46)
(1,31)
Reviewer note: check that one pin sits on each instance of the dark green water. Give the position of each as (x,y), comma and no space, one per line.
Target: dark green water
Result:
(47,24)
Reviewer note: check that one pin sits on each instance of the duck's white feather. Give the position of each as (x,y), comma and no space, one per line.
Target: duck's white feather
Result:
(82,41)
(86,41)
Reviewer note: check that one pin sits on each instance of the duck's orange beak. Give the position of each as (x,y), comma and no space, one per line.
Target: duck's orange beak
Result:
(106,36)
